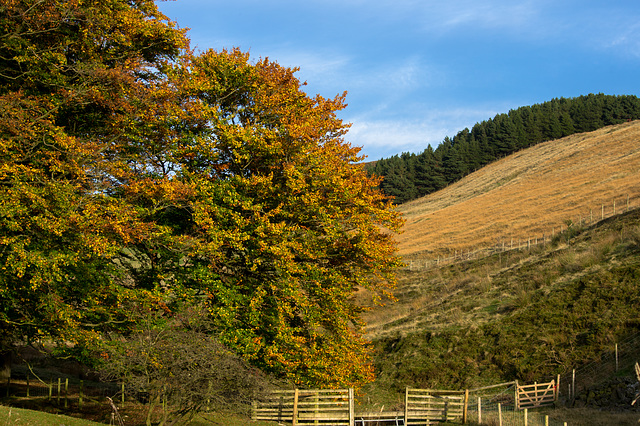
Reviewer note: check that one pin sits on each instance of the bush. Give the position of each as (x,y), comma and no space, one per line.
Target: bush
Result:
(183,369)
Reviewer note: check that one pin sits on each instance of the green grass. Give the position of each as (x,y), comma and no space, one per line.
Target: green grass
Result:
(22,417)
(227,419)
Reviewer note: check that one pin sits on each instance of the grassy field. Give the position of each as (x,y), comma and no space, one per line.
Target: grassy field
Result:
(20,416)
(526,314)
(581,417)
(24,417)
(527,194)
(535,192)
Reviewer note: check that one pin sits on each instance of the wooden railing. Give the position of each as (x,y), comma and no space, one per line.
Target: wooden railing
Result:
(307,407)
(426,406)
(421,406)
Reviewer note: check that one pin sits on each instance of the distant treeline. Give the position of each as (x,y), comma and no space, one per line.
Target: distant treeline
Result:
(409,176)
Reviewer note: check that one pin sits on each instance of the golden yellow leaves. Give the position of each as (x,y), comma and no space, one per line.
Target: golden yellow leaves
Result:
(133,180)
(294,223)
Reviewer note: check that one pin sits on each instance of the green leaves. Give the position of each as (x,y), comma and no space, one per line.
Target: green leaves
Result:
(136,176)
(292,225)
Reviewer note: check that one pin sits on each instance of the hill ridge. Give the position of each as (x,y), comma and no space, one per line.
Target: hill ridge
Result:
(409,176)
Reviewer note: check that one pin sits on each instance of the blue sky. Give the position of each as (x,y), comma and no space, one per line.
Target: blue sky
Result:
(417,71)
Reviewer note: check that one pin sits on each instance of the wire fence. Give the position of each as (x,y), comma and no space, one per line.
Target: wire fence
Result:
(495,405)
(615,363)
(504,244)
(497,414)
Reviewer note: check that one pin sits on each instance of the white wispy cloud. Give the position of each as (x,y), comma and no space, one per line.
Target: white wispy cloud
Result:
(382,137)
(469,14)
(615,31)
(391,137)
(330,73)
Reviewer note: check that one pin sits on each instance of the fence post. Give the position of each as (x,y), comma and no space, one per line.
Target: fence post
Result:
(479,410)
(80,395)
(499,414)
(515,398)
(406,405)
(352,414)
(295,407)
(446,411)
(465,408)
(66,392)
(316,408)
(573,384)
(526,417)
(59,386)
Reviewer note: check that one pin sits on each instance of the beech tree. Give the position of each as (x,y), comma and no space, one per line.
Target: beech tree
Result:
(75,86)
(138,176)
(290,226)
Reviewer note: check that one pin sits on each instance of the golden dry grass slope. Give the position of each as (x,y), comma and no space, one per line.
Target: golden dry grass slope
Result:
(528,194)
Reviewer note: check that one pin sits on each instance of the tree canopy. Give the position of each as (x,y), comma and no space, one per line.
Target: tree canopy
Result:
(137,176)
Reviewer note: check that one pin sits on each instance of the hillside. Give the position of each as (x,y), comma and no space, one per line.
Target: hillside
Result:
(527,313)
(528,194)
(410,176)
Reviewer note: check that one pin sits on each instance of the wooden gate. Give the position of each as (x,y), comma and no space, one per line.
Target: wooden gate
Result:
(536,395)
(307,407)
(426,407)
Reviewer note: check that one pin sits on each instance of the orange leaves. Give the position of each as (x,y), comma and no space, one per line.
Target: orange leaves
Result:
(77,93)
(133,179)
(292,223)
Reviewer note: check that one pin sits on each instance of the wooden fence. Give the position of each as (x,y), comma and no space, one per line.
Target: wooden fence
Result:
(421,406)
(536,395)
(307,407)
(426,407)
(61,391)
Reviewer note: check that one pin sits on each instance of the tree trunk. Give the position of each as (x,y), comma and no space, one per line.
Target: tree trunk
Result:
(5,365)
(152,405)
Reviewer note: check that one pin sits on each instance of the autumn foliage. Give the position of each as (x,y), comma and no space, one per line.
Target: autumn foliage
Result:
(137,176)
